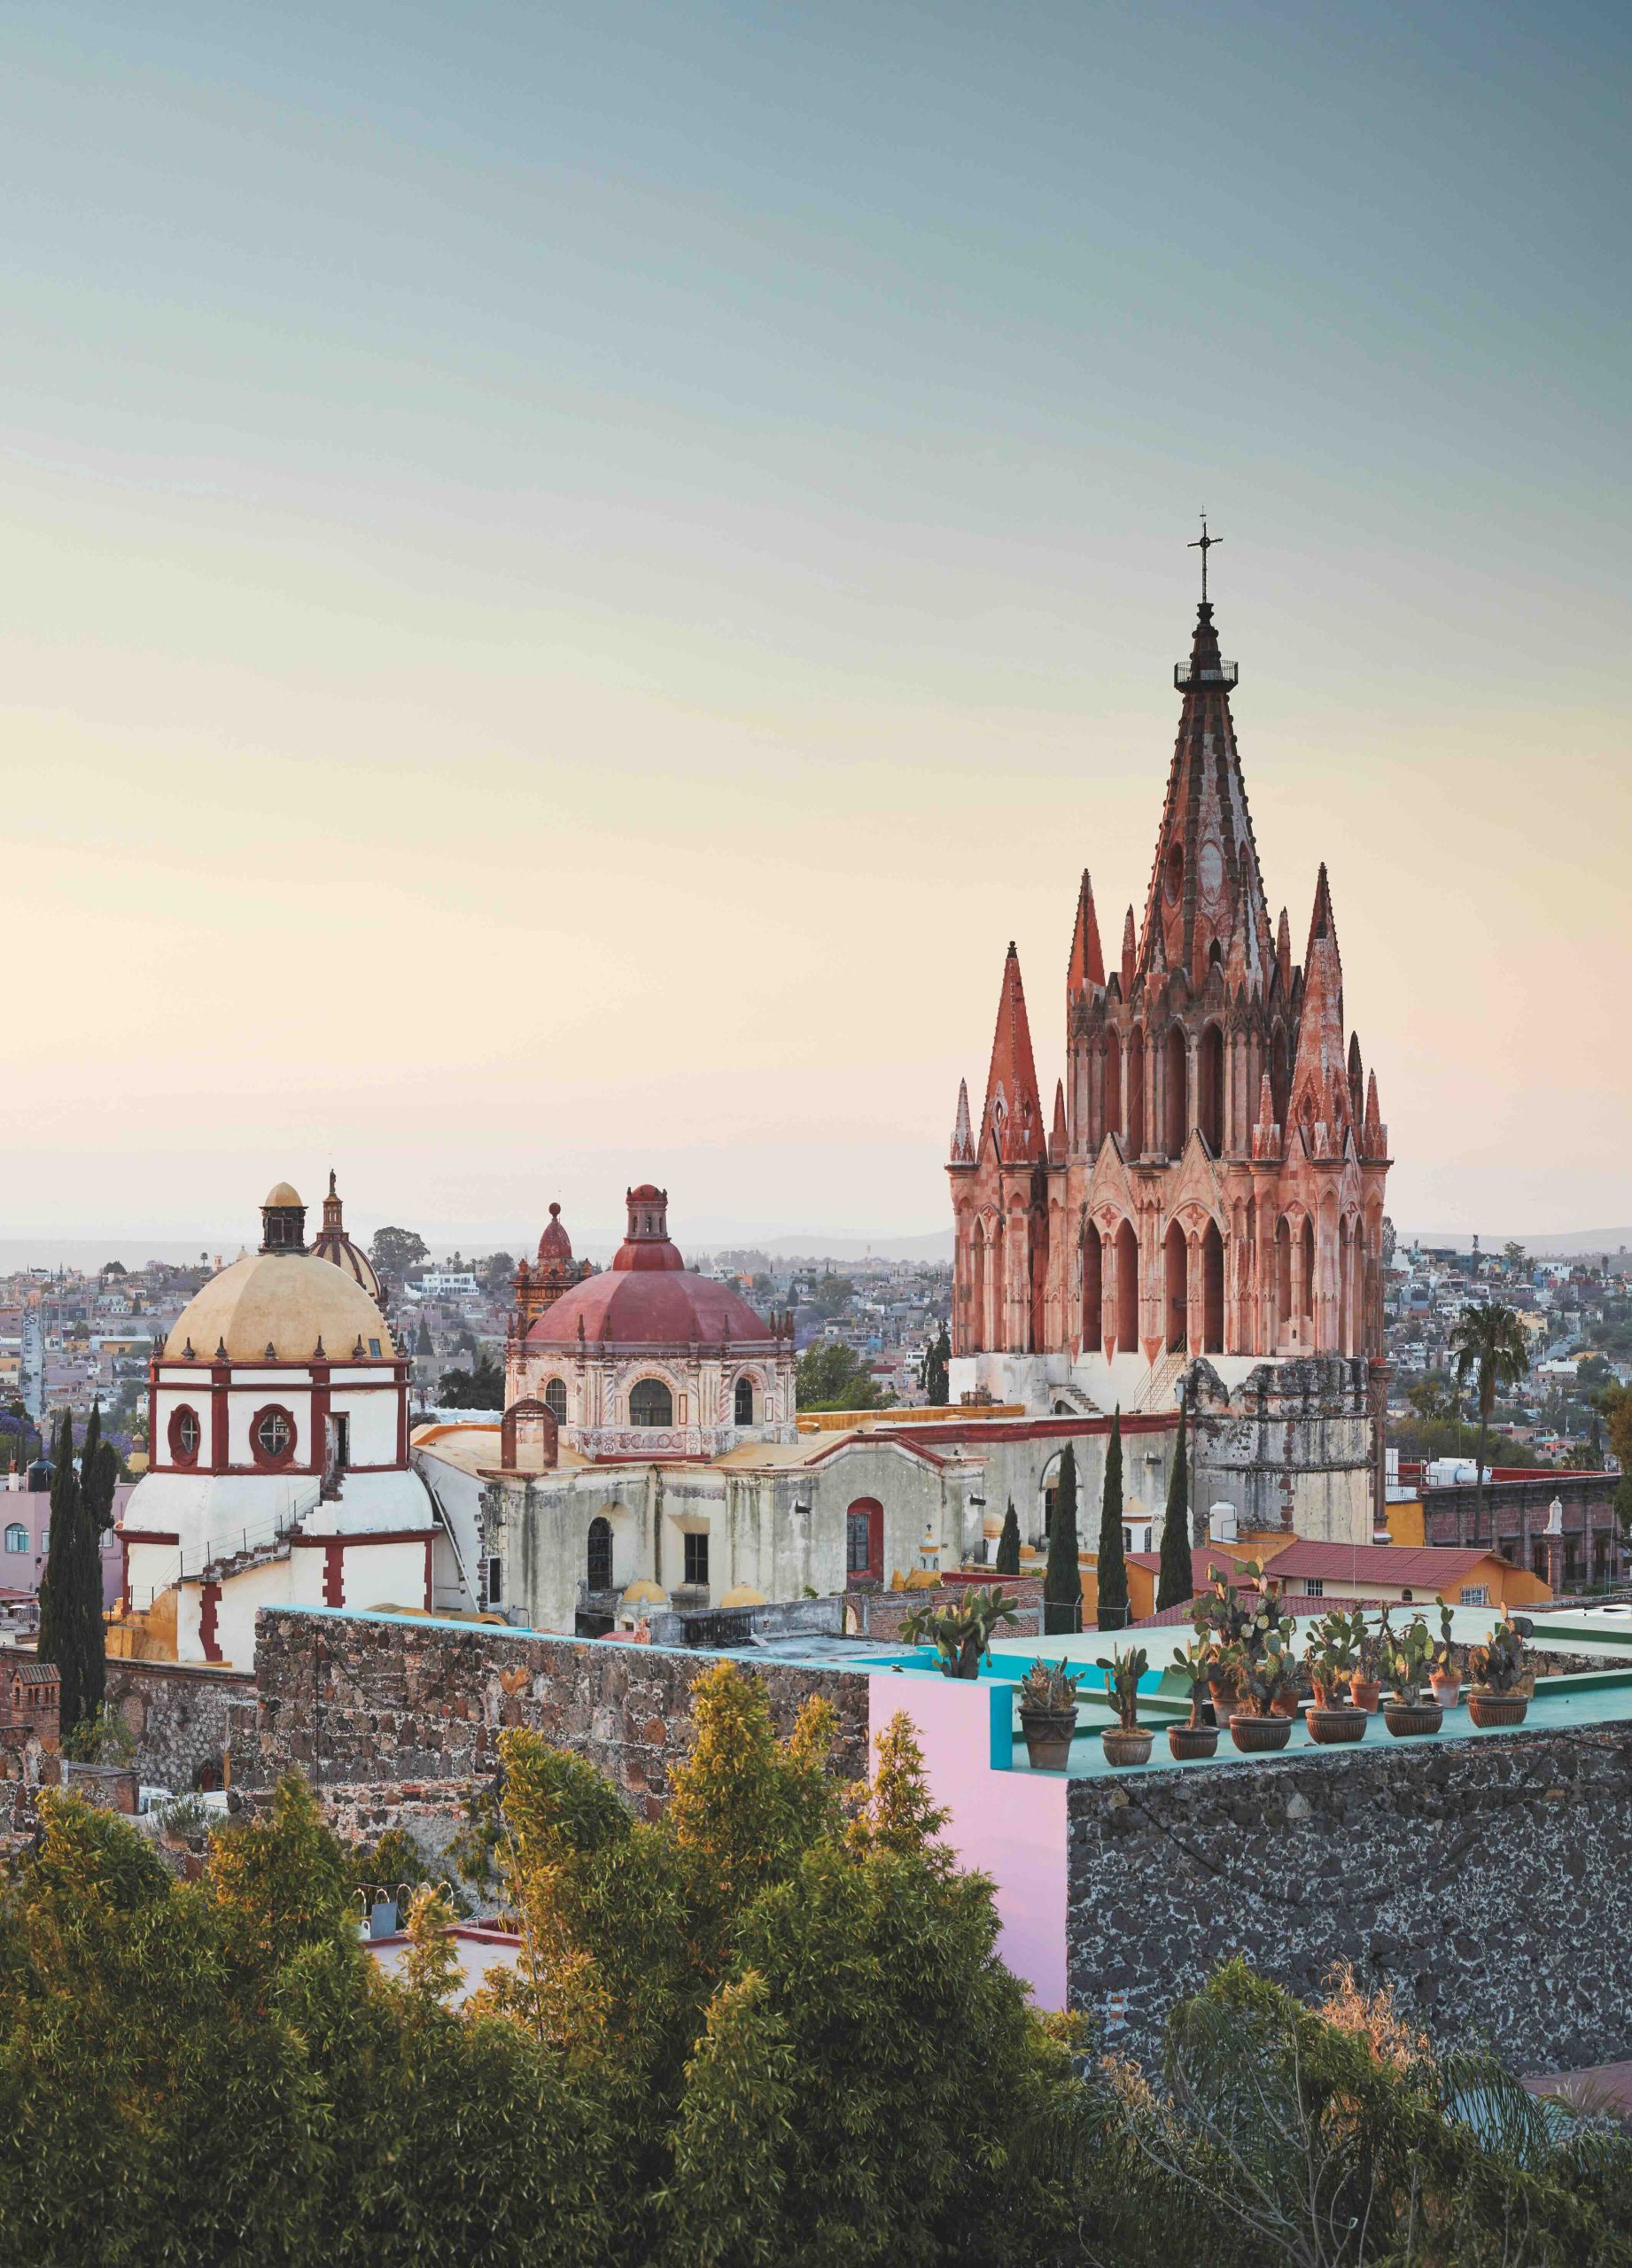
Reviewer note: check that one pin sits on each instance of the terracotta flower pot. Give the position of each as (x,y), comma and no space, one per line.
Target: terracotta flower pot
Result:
(1253,1735)
(1405,1719)
(1335,1723)
(1126,1744)
(1222,1690)
(1188,1742)
(1446,1689)
(1365,1693)
(1489,1709)
(1286,1704)
(1047,1734)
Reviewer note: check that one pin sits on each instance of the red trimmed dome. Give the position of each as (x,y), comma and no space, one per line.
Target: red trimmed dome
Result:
(647,1244)
(648,1307)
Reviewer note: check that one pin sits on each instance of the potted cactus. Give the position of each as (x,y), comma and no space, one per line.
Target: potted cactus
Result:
(1496,1672)
(1332,1657)
(1127,1741)
(961,1634)
(1264,1674)
(1445,1671)
(1410,1710)
(1195,1739)
(1238,1617)
(1365,1688)
(1047,1698)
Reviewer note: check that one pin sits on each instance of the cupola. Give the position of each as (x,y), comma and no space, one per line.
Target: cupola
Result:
(282,1220)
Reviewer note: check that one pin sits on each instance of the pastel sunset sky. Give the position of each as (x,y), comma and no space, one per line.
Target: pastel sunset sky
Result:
(572,575)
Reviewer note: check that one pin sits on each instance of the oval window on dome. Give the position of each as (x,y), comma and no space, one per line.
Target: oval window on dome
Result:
(186,1433)
(651,1403)
(272,1434)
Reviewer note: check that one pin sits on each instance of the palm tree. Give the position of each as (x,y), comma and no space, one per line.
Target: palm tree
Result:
(1487,1344)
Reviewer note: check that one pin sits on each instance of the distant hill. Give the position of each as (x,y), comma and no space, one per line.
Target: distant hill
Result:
(1556,1243)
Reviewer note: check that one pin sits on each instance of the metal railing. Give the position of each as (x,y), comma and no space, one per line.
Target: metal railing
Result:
(233,1543)
(1186,674)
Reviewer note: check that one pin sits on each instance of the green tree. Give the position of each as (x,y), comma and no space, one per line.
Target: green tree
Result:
(481,1388)
(1062,1579)
(829,1375)
(1174,1583)
(1616,1402)
(1487,1345)
(1113,1562)
(1007,1561)
(72,1633)
(394,1251)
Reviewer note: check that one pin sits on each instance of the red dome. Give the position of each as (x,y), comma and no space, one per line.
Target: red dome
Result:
(646,1306)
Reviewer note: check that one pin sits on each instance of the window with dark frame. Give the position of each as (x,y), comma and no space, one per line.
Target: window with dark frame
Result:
(858,1544)
(651,1403)
(555,1400)
(274,1435)
(696,1561)
(598,1566)
(745,1401)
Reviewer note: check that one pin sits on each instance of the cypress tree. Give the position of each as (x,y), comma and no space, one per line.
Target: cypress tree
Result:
(58,1630)
(1113,1566)
(1174,1584)
(1007,1561)
(98,1479)
(1062,1582)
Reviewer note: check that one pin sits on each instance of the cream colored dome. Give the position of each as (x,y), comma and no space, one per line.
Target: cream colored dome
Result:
(284,1299)
(281,1193)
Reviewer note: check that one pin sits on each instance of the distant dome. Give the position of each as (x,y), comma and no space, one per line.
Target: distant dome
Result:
(647,1298)
(281,1193)
(334,1244)
(554,1244)
(285,1300)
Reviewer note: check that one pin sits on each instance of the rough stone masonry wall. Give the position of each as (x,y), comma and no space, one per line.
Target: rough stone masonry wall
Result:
(380,1714)
(179,1717)
(1485,1880)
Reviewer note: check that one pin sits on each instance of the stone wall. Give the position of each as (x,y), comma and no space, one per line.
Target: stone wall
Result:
(878,1615)
(1483,1879)
(180,1717)
(378,1708)
(1515,1515)
(1293,1446)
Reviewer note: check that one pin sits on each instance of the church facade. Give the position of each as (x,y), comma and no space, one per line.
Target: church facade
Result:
(1202,1209)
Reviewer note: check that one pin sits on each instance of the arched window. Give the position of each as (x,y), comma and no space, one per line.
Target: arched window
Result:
(1136,1095)
(1093,1291)
(1113,1086)
(1283,1274)
(185,1435)
(651,1403)
(17,1537)
(1175,1064)
(1177,1255)
(744,1402)
(555,1400)
(598,1561)
(1127,1289)
(1210,1098)
(1213,1291)
(864,1541)
(1309,1268)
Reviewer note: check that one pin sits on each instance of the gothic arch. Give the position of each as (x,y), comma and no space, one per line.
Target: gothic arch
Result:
(1212,1290)
(1136,1092)
(1127,1265)
(1176,1277)
(1093,1290)
(1210,1088)
(1175,1089)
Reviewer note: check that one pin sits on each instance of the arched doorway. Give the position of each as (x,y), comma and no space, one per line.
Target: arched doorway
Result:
(1127,1289)
(1212,1290)
(864,1543)
(1093,1291)
(1176,1086)
(1176,1257)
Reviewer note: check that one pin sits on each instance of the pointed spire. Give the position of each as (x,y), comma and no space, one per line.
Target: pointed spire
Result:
(1130,954)
(1374,1137)
(1087,965)
(1266,1133)
(963,1135)
(1318,1100)
(1357,1079)
(1283,952)
(1056,1140)
(1012,1108)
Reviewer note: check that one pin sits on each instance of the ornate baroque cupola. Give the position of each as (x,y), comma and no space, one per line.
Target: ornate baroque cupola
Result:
(647,1244)
(334,1244)
(282,1220)
(557,1272)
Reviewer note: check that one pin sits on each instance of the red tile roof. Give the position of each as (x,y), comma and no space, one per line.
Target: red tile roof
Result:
(1414,1567)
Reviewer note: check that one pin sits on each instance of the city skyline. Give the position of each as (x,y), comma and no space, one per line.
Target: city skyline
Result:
(570,587)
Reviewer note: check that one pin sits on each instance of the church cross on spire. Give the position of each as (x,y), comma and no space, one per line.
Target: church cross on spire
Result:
(1204,544)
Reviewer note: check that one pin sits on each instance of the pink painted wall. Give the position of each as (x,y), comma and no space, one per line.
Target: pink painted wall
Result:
(1010,1825)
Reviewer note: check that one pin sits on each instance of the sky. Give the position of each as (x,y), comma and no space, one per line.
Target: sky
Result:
(569,578)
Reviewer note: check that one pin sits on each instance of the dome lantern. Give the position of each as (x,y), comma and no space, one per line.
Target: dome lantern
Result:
(282,1220)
